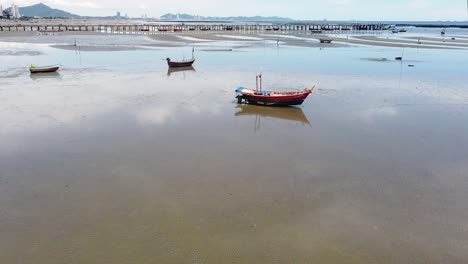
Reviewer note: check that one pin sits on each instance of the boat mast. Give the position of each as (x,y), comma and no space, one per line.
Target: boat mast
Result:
(260,77)
(256,83)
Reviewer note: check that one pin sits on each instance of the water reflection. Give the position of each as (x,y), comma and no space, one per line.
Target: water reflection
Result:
(179,69)
(285,113)
(45,75)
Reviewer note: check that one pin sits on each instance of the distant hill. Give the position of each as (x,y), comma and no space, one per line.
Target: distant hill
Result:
(178,17)
(41,10)
(238,18)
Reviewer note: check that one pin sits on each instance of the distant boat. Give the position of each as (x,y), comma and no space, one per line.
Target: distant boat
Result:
(268,98)
(395,31)
(268,28)
(144,29)
(326,40)
(42,69)
(182,63)
(276,28)
(178,30)
(316,31)
(442,32)
(398,58)
(402,30)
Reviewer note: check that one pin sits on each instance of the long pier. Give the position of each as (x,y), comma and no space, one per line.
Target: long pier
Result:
(191,27)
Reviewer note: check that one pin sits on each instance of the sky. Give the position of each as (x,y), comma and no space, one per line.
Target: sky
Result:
(388,10)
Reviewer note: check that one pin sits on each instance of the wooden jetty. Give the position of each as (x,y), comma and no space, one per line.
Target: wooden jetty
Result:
(155,27)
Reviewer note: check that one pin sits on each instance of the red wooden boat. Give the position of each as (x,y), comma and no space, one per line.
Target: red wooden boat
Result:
(182,63)
(42,69)
(260,97)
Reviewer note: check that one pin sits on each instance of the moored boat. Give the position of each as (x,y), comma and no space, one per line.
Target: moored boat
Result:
(40,69)
(269,98)
(326,40)
(182,63)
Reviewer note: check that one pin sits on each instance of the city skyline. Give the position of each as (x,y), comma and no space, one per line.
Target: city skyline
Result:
(416,10)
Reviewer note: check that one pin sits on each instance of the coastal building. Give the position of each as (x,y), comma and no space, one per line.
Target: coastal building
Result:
(117,15)
(14,12)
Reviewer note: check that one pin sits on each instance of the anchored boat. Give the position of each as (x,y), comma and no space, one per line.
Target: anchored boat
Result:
(40,69)
(260,97)
(182,63)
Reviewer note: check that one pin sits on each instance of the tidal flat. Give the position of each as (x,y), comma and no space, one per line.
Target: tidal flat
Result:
(116,159)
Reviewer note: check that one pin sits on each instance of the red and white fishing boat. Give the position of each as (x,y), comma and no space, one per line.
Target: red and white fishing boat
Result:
(260,97)
(42,69)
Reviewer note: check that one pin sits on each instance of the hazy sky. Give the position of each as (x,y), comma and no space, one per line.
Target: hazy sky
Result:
(298,9)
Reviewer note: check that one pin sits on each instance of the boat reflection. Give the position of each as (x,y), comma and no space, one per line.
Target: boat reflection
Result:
(285,113)
(45,75)
(172,70)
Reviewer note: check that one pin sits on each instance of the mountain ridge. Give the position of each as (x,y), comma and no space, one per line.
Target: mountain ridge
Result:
(42,10)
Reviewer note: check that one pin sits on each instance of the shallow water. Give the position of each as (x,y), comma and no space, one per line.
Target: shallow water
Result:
(115,159)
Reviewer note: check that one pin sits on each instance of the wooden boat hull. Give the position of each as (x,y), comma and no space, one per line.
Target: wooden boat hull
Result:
(272,98)
(187,63)
(44,69)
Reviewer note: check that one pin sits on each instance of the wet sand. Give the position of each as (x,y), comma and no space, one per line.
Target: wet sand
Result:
(114,159)
(250,39)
